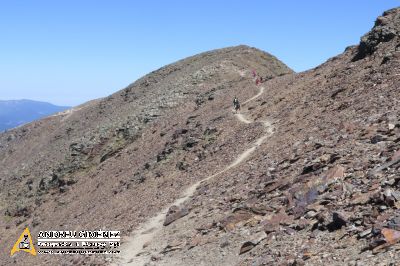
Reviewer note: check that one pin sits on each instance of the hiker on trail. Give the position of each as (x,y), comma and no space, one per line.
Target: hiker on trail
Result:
(257,81)
(236,104)
(254,73)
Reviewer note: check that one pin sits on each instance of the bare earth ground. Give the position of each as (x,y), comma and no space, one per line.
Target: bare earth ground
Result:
(147,235)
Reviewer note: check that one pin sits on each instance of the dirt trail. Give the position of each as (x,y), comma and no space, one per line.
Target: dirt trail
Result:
(242,119)
(132,251)
(255,96)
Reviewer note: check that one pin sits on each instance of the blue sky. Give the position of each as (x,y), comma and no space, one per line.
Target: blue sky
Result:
(68,52)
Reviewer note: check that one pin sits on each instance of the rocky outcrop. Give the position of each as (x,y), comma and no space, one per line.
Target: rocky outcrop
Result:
(387,28)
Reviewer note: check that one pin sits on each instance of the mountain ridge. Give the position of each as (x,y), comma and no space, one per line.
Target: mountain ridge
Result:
(323,189)
(14,113)
(167,115)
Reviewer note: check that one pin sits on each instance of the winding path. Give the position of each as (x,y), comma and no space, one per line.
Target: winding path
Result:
(132,251)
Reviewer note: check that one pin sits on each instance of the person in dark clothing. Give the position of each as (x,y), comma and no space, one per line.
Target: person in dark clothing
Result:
(236,104)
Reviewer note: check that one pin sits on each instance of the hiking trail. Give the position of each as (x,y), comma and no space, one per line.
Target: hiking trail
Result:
(132,251)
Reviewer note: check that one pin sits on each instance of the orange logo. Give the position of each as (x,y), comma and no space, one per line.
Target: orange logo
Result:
(24,243)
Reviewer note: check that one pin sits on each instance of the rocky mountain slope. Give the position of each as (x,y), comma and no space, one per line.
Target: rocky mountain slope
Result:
(306,174)
(17,112)
(95,165)
(323,189)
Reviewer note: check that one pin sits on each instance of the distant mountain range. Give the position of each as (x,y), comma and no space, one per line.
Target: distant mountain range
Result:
(14,113)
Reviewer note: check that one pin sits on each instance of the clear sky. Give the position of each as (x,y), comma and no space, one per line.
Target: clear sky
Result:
(68,52)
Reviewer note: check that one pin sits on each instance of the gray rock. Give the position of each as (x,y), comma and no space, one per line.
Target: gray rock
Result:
(175,213)
(365,233)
